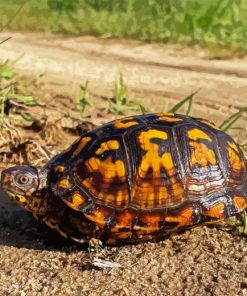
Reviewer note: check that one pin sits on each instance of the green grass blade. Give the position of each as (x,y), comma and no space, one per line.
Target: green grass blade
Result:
(188,99)
(6,71)
(232,119)
(238,128)
(13,16)
(143,109)
(26,100)
(6,68)
(83,98)
(22,117)
(189,105)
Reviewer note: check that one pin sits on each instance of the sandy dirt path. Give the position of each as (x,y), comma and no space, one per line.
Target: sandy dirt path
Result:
(202,261)
(152,72)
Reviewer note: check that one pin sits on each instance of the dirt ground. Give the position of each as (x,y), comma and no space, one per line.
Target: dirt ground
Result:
(34,260)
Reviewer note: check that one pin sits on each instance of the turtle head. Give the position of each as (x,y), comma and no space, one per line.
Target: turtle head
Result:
(24,183)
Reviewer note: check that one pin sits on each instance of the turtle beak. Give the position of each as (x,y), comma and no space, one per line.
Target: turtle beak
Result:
(6,179)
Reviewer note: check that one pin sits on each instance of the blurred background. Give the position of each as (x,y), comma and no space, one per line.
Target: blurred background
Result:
(211,22)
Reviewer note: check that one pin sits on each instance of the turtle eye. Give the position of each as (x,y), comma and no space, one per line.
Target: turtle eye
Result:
(24,180)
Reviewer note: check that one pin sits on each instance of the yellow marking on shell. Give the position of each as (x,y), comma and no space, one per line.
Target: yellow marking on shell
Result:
(119,199)
(152,194)
(209,123)
(167,161)
(123,220)
(183,219)
(152,223)
(169,119)
(197,134)
(109,145)
(152,220)
(177,189)
(109,171)
(77,200)
(107,168)
(201,155)
(121,196)
(235,161)
(82,143)
(215,211)
(122,124)
(64,184)
(145,138)
(60,168)
(170,114)
(240,202)
(98,216)
(233,146)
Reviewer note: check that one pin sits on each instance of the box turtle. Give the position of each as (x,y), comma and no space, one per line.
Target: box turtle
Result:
(136,178)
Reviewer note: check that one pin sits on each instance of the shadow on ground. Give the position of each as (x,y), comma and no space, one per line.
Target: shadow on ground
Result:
(19,229)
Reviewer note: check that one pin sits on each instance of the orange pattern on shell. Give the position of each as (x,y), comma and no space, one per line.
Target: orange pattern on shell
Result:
(77,200)
(153,193)
(197,134)
(124,219)
(167,118)
(64,184)
(183,219)
(240,202)
(125,122)
(215,211)
(60,168)
(151,221)
(110,171)
(235,161)
(107,168)
(98,216)
(201,154)
(109,145)
(82,143)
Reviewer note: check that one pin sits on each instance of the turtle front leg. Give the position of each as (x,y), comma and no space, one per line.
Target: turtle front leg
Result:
(64,229)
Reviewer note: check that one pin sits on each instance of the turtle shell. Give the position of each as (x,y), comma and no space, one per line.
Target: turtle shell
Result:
(148,175)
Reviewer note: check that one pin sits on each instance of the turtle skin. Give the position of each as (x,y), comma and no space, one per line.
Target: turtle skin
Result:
(144,177)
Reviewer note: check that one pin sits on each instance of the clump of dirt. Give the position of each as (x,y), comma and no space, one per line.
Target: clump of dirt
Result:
(35,141)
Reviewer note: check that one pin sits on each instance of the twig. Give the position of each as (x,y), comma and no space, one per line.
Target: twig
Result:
(1,42)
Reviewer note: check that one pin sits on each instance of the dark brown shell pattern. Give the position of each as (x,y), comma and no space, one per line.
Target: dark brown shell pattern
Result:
(143,177)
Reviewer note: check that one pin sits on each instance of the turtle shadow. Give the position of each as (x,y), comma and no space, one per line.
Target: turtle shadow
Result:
(19,229)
